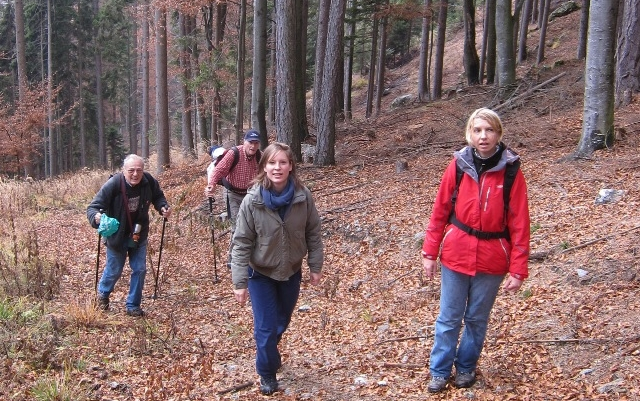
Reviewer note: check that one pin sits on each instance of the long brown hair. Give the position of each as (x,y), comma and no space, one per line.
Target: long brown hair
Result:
(268,154)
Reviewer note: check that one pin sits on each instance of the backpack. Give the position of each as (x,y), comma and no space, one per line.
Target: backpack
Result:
(217,156)
(509,177)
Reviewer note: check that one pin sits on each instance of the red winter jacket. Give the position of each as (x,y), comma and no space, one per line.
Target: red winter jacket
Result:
(480,205)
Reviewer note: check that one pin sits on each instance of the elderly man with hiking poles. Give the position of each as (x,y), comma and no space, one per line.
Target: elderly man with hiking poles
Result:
(126,197)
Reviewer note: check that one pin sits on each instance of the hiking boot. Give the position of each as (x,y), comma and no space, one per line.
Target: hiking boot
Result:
(135,312)
(268,384)
(103,302)
(464,380)
(436,384)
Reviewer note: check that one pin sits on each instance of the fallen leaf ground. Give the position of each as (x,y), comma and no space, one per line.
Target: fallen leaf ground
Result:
(366,332)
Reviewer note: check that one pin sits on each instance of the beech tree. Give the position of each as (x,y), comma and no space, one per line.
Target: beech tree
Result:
(470,55)
(597,115)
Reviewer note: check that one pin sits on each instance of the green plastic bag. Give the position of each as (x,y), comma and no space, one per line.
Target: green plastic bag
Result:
(108,225)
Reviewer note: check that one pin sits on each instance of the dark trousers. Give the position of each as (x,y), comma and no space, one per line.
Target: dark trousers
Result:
(273,303)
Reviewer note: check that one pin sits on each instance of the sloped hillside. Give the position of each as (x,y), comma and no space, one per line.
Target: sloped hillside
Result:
(365,333)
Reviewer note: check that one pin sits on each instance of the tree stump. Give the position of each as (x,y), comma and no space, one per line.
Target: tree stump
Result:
(401,165)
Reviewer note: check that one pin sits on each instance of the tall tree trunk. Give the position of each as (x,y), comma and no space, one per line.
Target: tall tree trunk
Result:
(102,147)
(584,29)
(20,49)
(259,75)
(301,69)
(162,92)
(628,54)
(325,147)
(372,67)
(489,43)
(470,57)
(597,120)
(348,70)
(144,117)
(321,47)
(53,150)
(439,61)
(242,27)
(382,59)
(133,88)
(188,147)
(272,78)
(543,30)
(505,50)
(524,29)
(289,117)
(81,106)
(423,69)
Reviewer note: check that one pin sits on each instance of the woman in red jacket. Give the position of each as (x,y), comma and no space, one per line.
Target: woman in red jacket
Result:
(479,239)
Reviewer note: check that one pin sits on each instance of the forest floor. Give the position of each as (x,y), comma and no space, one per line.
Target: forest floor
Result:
(365,333)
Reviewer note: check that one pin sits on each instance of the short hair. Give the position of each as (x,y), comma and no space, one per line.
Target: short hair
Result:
(267,154)
(487,115)
(132,157)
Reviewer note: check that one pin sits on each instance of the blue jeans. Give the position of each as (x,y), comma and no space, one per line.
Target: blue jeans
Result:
(273,303)
(462,297)
(113,271)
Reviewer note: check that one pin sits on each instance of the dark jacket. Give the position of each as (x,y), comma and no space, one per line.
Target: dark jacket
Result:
(109,199)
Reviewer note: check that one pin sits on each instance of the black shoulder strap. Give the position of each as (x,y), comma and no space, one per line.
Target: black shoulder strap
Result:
(454,196)
(236,156)
(509,177)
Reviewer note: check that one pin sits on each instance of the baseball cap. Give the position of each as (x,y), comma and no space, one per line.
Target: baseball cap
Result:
(252,135)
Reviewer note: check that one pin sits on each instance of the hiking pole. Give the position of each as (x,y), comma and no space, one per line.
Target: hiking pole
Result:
(155,288)
(97,265)
(98,260)
(213,242)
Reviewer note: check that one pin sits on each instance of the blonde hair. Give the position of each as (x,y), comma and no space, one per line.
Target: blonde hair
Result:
(487,115)
(268,154)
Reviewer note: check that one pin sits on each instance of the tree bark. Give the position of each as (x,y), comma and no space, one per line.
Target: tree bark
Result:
(543,30)
(524,29)
(321,47)
(289,116)
(259,76)
(382,59)
(325,146)
(188,148)
(584,29)
(372,68)
(628,54)
(470,57)
(162,92)
(504,38)
(423,69)
(242,27)
(440,42)
(597,120)
(348,71)
(144,118)
(102,148)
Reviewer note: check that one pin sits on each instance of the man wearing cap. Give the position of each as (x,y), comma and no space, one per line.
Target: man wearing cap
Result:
(236,179)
